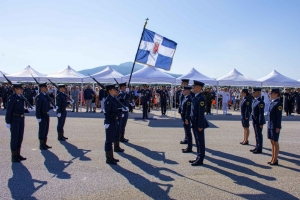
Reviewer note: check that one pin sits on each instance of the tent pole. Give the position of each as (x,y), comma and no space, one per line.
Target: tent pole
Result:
(283,98)
(217,92)
(81,94)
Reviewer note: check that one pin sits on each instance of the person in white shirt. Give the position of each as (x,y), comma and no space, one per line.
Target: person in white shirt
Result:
(237,98)
(266,96)
(225,100)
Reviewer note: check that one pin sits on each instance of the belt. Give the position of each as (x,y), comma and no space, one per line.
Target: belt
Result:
(18,115)
(46,113)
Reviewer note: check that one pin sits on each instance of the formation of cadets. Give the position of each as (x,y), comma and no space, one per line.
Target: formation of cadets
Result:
(117,102)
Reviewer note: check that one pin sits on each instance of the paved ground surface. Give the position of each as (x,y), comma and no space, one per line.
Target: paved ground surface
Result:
(152,166)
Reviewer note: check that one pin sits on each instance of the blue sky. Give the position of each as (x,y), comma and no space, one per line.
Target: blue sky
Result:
(214,37)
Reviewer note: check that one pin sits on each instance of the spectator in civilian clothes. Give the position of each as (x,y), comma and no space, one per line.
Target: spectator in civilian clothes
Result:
(88,95)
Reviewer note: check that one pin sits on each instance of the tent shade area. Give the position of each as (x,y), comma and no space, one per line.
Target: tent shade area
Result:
(105,76)
(25,75)
(235,78)
(67,75)
(150,75)
(276,79)
(193,74)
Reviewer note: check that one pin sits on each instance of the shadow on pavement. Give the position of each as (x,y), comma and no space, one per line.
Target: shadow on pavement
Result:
(21,184)
(155,155)
(171,123)
(75,152)
(149,188)
(268,191)
(56,166)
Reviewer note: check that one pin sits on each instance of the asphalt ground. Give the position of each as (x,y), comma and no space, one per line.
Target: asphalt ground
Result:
(152,166)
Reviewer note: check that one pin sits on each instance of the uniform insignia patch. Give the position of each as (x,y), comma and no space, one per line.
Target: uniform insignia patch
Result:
(261,105)
(188,103)
(202,103)
(279,107)
(247,103)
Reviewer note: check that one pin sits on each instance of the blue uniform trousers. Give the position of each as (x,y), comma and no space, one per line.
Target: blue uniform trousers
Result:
(145,108)
(258,136)
(163,106)
(61,121)
(17,132)
(44,126)
(118,132)
(123,124)
(200,143)
(110,133)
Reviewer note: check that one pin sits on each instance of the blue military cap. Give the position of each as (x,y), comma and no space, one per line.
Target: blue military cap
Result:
(61,85)
(111,86)
(187,87)
(258,89)
(43,84)
(275,90)
(17,85)
(185,80)
(245,90)
(122,84)
(198,83)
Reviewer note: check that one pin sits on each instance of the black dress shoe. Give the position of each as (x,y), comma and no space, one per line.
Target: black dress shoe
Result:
(257,151)
(187,150)
(183,142)
(192,161)
(252,150)
(275,163)
(269,162)
(246,143)
(124,140)
(197,163)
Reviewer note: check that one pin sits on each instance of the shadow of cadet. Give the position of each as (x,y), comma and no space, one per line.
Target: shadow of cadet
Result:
(75,152)
(21,184)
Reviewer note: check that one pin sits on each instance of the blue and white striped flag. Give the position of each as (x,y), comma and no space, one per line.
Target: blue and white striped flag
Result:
(156,50)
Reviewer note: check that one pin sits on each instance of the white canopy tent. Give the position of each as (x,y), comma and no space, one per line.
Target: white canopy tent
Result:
(67,75)
(150,75)
(105,76)
(193,74)
(235,78)
(25,75)
(275,79)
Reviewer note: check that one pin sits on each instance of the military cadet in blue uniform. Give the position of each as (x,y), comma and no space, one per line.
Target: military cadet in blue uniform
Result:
(246,110)
(14,119)
(186,117)
(297,100)
(131,99)
(4,95)
(111,116)
(199,122)
(124,98)
(258,119)
(145,96)
(42,115)
(164,96)
(274,124)
(184,82)
(61,105)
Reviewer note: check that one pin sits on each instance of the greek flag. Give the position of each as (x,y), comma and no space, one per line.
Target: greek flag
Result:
(156,50)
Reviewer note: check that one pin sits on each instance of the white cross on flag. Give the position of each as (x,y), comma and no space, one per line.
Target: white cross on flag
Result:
(156,50)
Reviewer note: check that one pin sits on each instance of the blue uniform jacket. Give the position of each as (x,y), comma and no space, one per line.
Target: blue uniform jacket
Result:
(275,114)
(42,105)
(197,112)
(258,107)
(246,108)
(124,98)
(15,105)
(145,95)
(61,102)
(111,110)
(186,108)
(164,95)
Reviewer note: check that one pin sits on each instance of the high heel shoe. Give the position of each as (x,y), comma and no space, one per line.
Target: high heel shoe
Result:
(275,163)
(244,143)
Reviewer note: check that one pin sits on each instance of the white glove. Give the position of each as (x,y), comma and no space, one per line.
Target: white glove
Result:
(125,109)
(147,102)
(31,109)
(106,126)
(8,126)
(71,101)
(58,114)
(56,107)
(122,115)
(39,120)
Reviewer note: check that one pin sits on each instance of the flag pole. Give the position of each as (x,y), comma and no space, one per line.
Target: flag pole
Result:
(137,52)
